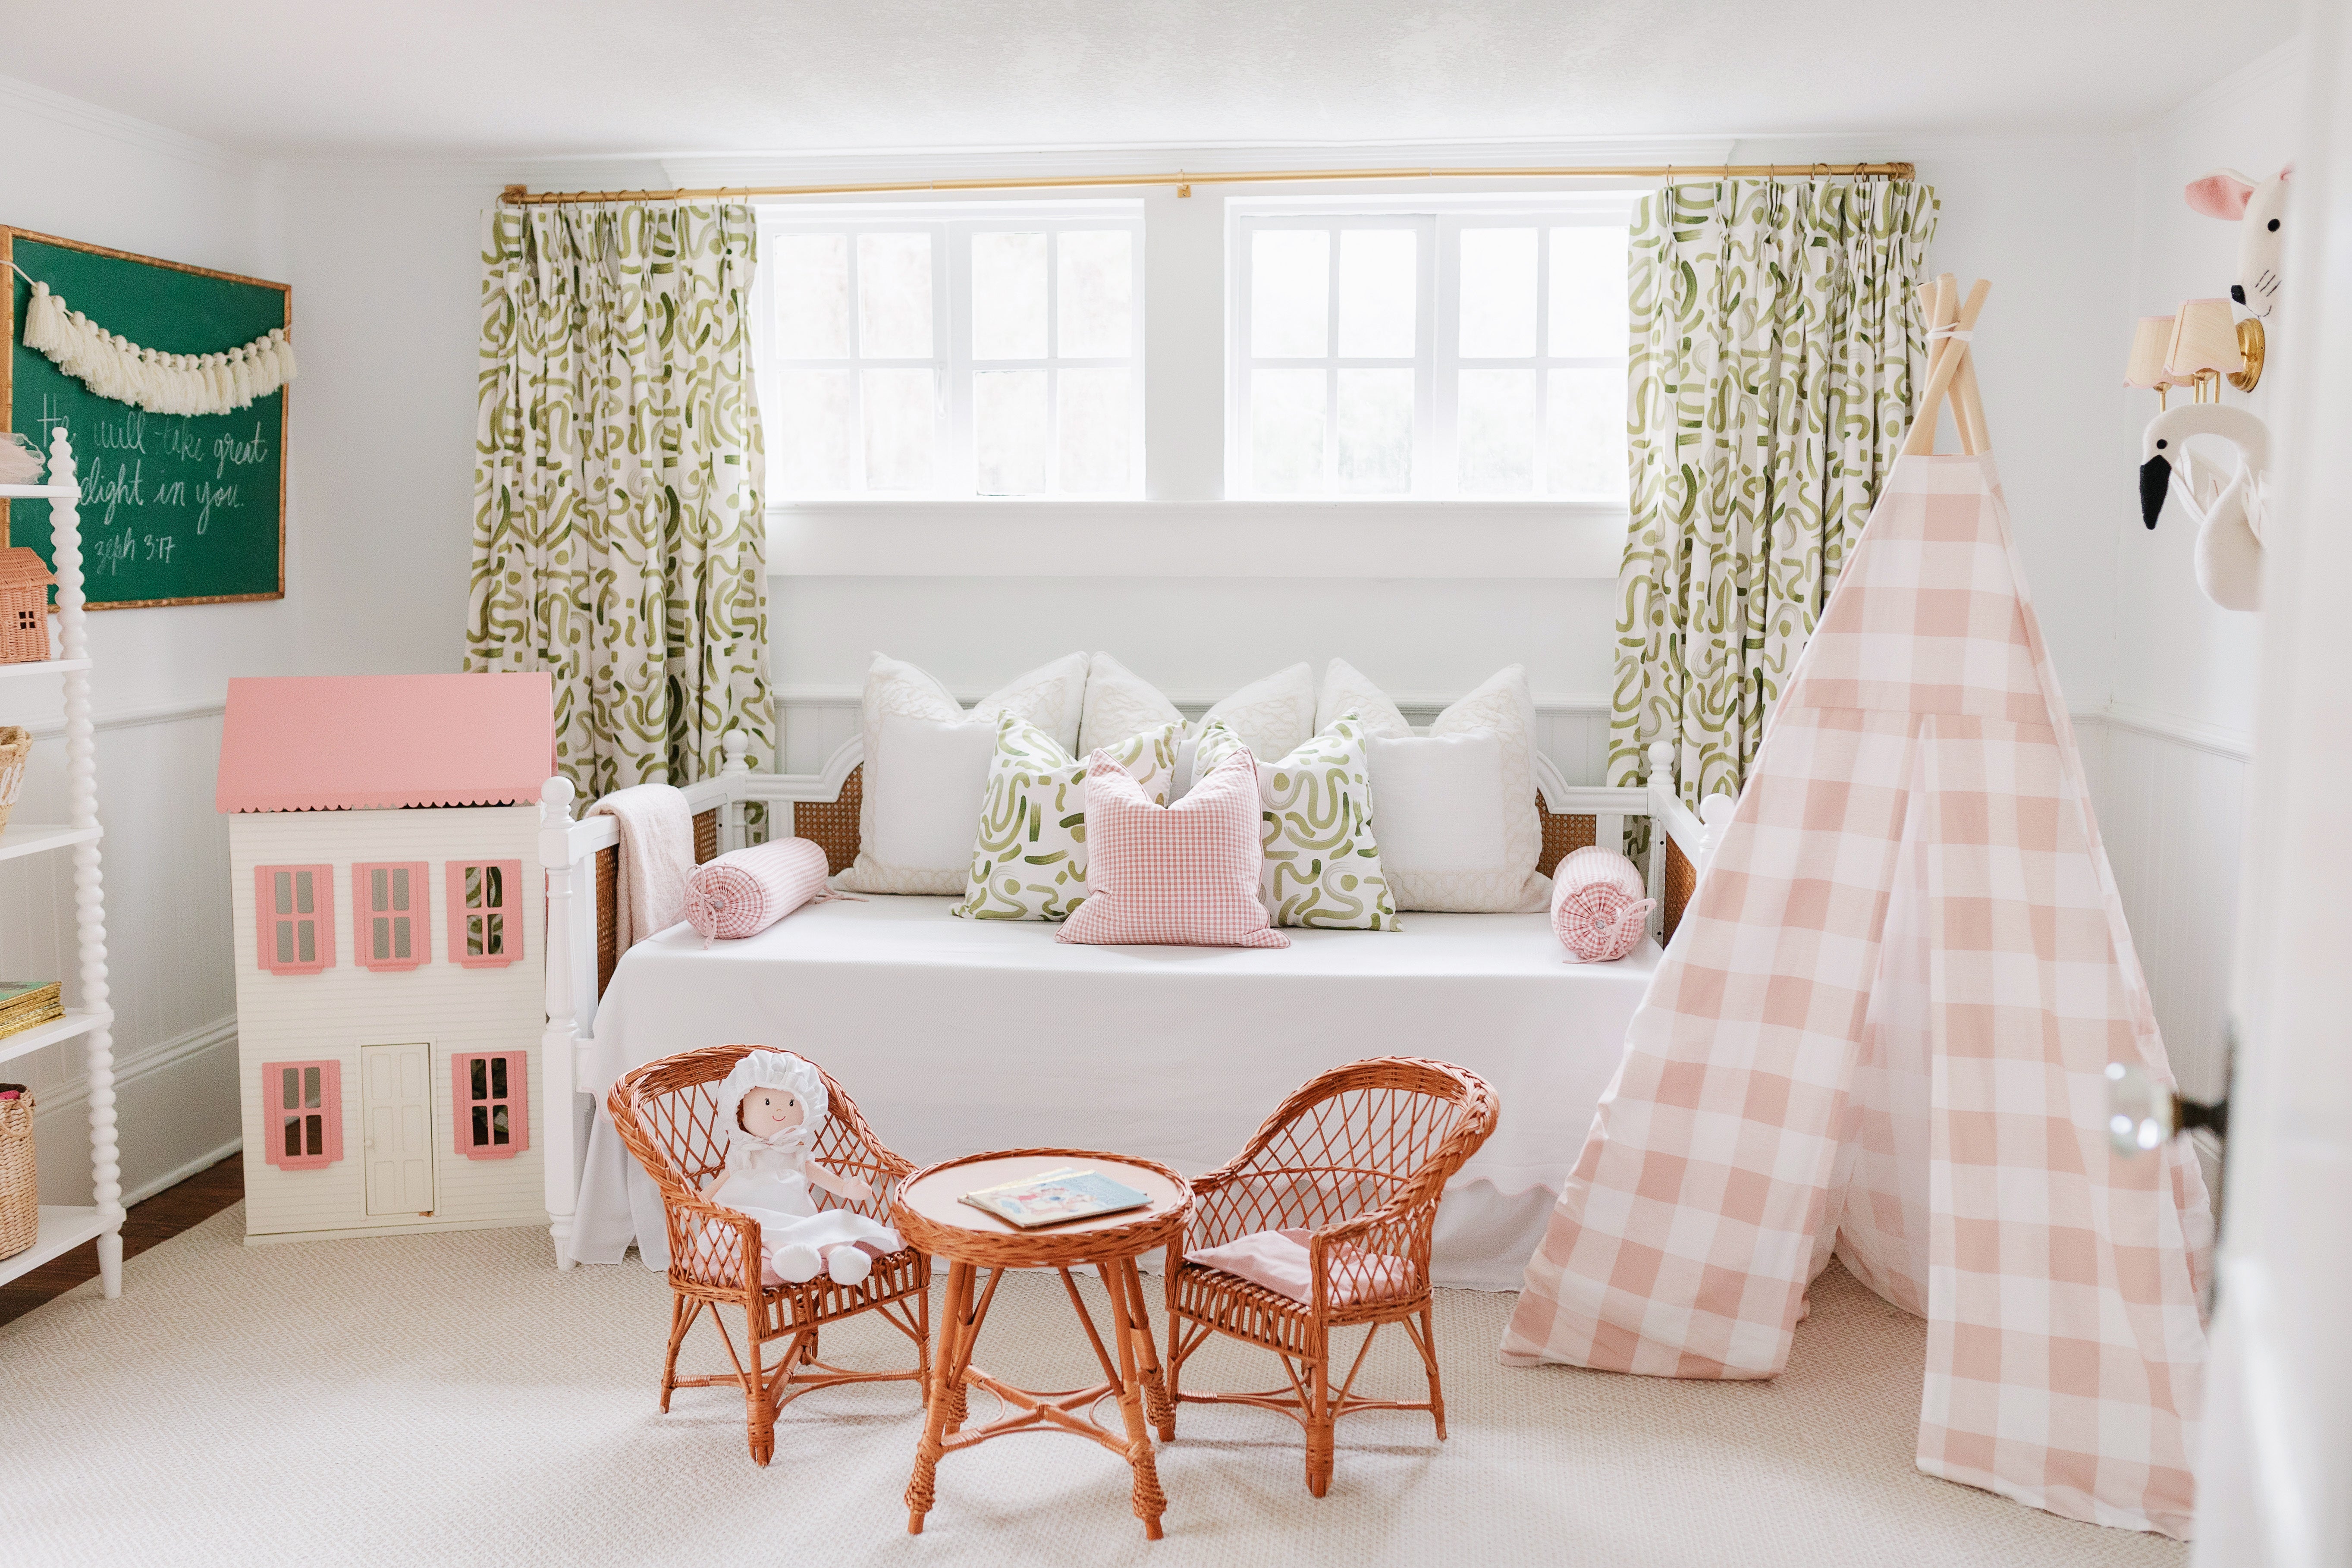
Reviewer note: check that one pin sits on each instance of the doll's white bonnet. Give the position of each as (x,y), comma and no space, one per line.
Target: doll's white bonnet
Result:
(765,1068)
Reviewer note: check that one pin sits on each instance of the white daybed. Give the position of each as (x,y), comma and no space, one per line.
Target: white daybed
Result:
(960,1035)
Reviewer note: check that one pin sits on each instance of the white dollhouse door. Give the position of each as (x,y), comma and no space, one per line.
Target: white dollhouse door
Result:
(396,1111)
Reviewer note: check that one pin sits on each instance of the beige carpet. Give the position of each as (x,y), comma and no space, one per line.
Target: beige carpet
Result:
(453,1399)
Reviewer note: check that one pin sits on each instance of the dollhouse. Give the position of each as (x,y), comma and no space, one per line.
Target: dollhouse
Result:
(389,925)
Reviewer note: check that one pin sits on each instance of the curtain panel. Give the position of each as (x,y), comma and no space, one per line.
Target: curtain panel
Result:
(1776,348)
(619,539)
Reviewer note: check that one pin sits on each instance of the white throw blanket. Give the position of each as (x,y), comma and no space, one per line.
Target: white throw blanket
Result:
(657,859)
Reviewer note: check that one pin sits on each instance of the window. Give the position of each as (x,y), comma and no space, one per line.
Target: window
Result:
(302,1114)
(388,914)
(989,349)
(485,913)
(1465,354)
(490,1097)
(295,909)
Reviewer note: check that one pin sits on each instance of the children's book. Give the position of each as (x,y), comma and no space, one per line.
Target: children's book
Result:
(1052,1197)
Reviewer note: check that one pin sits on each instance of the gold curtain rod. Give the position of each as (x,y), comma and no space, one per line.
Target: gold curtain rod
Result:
(523,196)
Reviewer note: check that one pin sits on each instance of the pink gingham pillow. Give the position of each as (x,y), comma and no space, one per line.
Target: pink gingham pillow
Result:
(1184,874)
(743,893)
(1598,906)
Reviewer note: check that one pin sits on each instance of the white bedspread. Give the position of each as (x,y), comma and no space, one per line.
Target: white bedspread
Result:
(957,1036)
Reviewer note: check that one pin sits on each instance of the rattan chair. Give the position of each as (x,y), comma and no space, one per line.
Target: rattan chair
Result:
(668,1112)
(1360,1157)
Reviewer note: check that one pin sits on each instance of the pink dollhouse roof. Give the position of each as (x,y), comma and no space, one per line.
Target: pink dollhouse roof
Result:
(346,742)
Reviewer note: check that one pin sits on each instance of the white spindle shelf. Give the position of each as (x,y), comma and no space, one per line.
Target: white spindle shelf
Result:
(66,1226)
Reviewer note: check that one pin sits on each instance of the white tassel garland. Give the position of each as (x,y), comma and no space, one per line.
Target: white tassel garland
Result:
(114,367)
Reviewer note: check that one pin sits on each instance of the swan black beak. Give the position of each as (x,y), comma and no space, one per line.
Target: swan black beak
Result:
(2154,482)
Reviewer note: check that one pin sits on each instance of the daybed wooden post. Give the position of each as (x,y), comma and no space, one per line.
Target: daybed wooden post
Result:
(736,770)
(1660,781)
(557,1063)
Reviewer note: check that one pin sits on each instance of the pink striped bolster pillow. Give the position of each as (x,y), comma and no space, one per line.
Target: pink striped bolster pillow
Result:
(743,893)
(1597,905)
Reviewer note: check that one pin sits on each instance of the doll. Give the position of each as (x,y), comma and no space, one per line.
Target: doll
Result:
(778,1104)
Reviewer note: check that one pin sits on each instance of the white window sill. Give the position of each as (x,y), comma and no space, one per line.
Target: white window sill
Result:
(1354,538)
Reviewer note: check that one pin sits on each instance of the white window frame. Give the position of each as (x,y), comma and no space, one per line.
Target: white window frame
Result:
(1437,330)
(955,472)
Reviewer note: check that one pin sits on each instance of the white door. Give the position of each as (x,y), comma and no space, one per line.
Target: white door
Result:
(2274,1486)
(396,1110)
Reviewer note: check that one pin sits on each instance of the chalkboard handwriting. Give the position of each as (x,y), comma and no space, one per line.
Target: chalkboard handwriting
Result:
(229,450)
(125,487)
(110,551)
(128,434)
(209,496)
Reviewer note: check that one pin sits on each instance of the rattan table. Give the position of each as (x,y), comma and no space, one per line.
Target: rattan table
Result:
(930,1214)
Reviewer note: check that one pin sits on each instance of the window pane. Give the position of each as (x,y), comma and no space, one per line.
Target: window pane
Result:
(1494,431)
(400,933)
(281,892)
(1588,293)
(306,940)
(1498,292)
(816,423)
(1379,268)
(498,1130)
(311,1088)
(473,887)
(498,1077)
(812,296)
(478,1079)
(1584,452)
(473,936)
(1290,294)
(293,1137)
(291,1080)
(494,940)
(284,942)
(381,937)
(494,888)
(1376,431)
(379,889)
(894,296)
(1009,431)
(898,429)
(1287,430)
(1008,297)
(1096,299)
(314,1130)
(400,888)
(481,1126)
(305,887)
(1097,430)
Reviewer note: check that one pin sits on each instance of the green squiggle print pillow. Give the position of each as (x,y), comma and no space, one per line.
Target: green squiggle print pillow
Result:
(1322,864)
(1029,859)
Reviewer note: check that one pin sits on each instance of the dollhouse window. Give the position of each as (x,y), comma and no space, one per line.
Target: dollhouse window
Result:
(485,913)
(388,913)
(296,920)
(491,1102)
(303,1113)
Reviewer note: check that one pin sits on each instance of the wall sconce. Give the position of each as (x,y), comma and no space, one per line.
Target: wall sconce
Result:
(2152,342)
(2207,346)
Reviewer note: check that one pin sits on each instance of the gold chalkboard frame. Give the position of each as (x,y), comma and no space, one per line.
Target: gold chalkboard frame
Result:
(9,234)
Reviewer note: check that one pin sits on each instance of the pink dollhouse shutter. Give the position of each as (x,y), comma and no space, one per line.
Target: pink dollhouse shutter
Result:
(388,914)
(294,918)
(303,1113)
(485,913)
(490,1100)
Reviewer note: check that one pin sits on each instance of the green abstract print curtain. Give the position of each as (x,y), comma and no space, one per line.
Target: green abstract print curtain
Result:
(618,535)
(1776,343)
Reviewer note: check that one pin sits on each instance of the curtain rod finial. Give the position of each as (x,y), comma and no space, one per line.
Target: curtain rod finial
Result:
(512,192)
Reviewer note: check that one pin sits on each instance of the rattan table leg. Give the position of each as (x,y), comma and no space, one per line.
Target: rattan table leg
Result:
(946,1372)
(1149,1503)
(1137,1323)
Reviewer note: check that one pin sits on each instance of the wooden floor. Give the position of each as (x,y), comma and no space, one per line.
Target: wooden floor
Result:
(159,1218)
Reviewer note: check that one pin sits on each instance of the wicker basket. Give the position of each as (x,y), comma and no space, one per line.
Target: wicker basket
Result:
(20,1204)
(16,749)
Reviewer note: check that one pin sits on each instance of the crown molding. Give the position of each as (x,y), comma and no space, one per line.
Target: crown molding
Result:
(2281,68)
(93,119)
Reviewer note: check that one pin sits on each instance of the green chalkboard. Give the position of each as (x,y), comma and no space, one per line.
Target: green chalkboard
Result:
(175,509)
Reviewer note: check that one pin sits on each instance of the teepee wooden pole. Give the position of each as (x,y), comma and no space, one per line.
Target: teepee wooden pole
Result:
(1952,354)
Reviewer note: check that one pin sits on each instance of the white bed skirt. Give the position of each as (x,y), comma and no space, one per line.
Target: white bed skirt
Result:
(957,1036)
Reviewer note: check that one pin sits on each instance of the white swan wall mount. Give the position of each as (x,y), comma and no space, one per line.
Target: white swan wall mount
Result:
(2226,505)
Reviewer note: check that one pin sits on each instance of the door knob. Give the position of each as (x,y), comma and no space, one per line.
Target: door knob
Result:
(2142,1114)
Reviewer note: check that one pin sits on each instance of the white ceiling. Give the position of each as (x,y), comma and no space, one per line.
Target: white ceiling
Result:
(302,78)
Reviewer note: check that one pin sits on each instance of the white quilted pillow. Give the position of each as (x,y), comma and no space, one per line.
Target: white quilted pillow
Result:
(1120,703)
(927,768)
(1274,717)
(1455,810)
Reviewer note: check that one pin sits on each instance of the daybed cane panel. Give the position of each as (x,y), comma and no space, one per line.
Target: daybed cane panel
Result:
(667,1113)
(1563,833)
(1360,1157)
(1682,880)
(831,824)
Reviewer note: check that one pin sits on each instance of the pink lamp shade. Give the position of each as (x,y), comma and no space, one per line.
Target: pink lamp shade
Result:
(2151,344)
(2204,338)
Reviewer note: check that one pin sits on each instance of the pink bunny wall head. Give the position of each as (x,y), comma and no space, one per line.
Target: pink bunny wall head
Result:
(2259,209)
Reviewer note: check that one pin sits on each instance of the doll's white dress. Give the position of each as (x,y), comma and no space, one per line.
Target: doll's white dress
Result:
(770,1182)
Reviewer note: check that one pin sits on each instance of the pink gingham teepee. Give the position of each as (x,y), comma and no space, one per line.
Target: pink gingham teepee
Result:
(1882,1030)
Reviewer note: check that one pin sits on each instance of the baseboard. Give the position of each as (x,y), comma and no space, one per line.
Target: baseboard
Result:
(178,1174)
(412,1228)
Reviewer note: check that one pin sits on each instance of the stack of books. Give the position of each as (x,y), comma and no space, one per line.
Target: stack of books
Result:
(26,1003)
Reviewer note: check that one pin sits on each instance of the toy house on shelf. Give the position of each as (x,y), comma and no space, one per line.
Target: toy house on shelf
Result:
(390,933)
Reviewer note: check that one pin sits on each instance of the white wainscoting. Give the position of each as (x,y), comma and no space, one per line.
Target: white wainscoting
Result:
(166,861)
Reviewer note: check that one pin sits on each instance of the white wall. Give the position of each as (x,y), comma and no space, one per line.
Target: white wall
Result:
(81,173)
